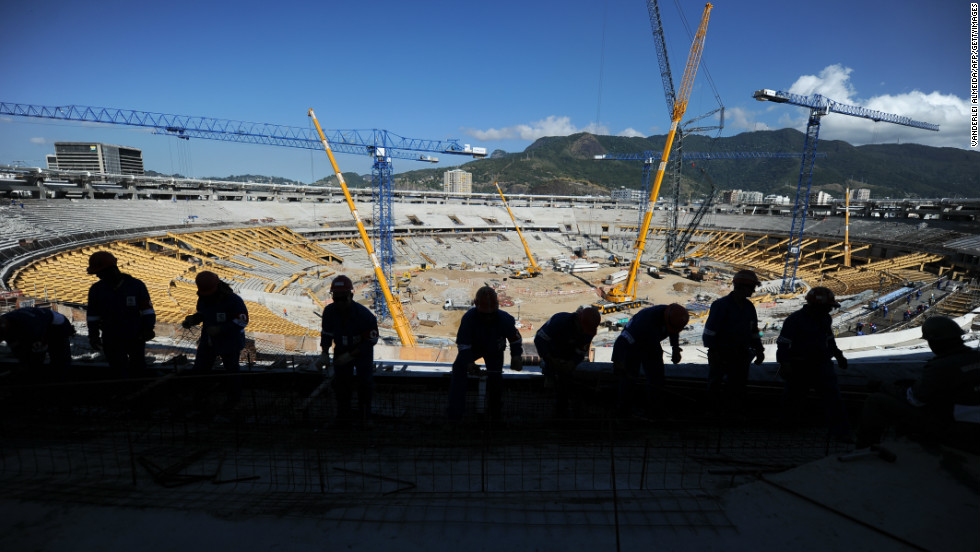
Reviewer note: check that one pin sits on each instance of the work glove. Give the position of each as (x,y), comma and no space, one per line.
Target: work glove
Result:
(323,363)
(760,356)
(675,355)
(841,361)
(188,322)
(148,334)
(516,363)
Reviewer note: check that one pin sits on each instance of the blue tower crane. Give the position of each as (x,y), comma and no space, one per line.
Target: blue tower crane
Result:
(674,162)
(819,107)
(381,145)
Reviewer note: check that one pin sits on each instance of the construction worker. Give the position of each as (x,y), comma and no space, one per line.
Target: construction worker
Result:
(562,343)
(352,329)
(223,318)
(639,346)
(804,351)
(120,316)
(732,337)
(33,332)
(925,408)
(484,332)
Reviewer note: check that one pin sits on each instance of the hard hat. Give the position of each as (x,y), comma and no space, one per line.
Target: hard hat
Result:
(486,300)
(676,317)
(746,277)
(341,284)
(821,296)
(589,319)
(100,260)
(940,328)
(207,282)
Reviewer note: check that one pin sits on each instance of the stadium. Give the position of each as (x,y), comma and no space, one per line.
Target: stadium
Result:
(148,442)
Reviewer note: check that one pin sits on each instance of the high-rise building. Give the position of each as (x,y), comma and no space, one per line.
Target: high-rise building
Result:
(457,181)
(861,194)
(96,158)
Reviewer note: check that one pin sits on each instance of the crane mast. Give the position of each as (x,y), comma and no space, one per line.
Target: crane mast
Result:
(534,270)
(626,292)
(402,327)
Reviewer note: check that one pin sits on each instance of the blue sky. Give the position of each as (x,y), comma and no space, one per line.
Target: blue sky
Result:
(497,74)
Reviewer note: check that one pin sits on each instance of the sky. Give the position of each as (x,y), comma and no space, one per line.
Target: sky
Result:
(494,74)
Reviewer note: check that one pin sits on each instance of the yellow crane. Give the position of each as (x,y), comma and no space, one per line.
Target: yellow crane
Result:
(534,269)
(623,296)
(400,322)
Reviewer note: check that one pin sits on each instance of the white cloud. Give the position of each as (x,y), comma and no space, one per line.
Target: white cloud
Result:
(631,133)
(39,140)
(549,126)
(950,112)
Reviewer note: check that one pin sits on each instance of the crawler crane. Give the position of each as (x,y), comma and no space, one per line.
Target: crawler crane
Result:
(399,321)
(532,270)
(623,296)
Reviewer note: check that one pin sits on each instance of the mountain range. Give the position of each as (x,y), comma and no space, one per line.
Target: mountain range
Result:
(565,165)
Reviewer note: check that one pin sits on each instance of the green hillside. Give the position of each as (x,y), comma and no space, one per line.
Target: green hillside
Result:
(565,166)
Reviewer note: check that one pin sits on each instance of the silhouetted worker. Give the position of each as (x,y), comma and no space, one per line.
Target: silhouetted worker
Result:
(120,316)
(353,330)
(562,343)
(223,318)
(639,346)
(33,332)
(925,407)
(484,332)
(732,337)
(804,351)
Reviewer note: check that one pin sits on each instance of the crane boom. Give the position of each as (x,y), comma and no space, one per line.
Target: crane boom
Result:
(534,270)
(402,327)
(626,293)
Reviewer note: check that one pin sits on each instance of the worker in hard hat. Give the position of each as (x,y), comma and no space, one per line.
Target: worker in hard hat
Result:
(484,332)
(223,317)
(733,339)
(925,408)
(33,333)
(120,316)
(804,351)
(562,343)
(639,346)
(352,330)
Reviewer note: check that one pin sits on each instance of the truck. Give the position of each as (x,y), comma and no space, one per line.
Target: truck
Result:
(455,305)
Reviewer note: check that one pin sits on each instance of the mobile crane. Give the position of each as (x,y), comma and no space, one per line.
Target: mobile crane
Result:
(623,296)
(532,270)
(399,321)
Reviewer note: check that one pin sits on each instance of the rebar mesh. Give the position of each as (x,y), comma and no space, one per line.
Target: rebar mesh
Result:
(179,443)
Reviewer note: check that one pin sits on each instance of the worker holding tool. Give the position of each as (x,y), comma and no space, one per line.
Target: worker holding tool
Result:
(639,346)
(352,329)
(223,318)
(925,408)
(733,339)
(484,332)
(804,351)
(120,316)
(562,343)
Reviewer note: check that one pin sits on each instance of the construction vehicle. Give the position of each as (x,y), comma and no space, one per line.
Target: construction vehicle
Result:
(623,296)
(398,318)
(530,271)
